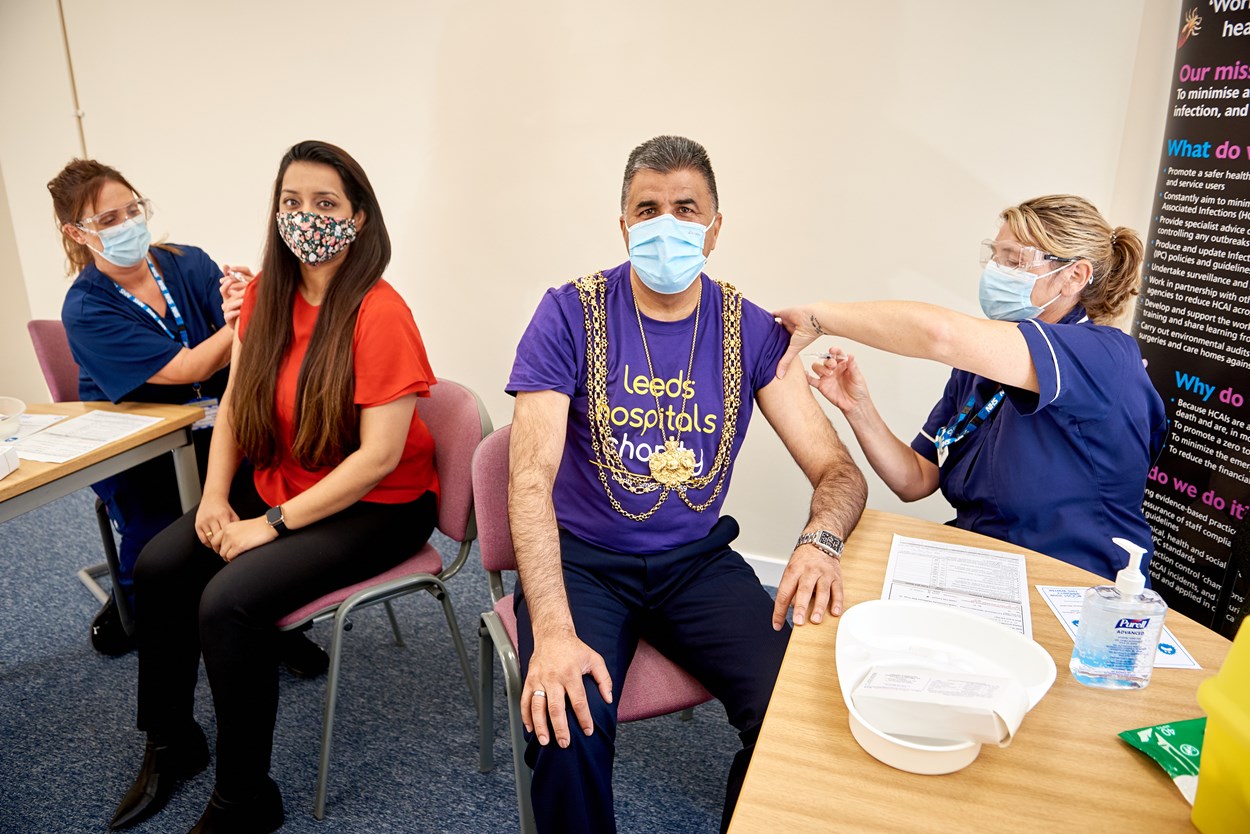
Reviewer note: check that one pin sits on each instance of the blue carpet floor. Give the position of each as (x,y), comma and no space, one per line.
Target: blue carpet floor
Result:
(405,742)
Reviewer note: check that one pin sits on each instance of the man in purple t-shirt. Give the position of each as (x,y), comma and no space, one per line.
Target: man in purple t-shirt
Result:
(634,387)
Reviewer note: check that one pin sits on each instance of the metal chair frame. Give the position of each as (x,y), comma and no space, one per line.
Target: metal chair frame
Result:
(59,384)
(493,633)
(384,593)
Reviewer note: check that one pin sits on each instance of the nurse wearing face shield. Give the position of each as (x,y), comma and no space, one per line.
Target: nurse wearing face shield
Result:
(145,323)
(1048,425)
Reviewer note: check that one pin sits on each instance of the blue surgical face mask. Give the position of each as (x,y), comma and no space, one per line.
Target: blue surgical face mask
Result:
(1007,294)
(667,253)
(126,243)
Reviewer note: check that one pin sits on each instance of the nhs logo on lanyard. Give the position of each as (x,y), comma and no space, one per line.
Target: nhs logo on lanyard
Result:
(1132,624)
(964,423)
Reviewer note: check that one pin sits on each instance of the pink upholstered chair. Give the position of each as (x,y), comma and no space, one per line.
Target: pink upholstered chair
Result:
(458,422)
(653,686)
(60,372)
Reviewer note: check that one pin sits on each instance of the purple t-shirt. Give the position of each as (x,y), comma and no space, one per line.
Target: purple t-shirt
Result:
(552,357)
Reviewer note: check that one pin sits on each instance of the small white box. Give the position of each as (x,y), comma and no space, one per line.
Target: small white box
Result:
(927,703)
(8,460)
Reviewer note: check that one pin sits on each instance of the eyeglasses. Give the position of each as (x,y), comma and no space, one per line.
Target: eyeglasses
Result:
(1016,256)
(140,208)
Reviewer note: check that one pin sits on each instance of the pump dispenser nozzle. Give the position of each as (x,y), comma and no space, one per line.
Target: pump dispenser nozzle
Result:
(1130,580)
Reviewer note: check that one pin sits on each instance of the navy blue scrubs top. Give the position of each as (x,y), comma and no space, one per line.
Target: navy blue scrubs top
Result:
(118,346)
(1064,470)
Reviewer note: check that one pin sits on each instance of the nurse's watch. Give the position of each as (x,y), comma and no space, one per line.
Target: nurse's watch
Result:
(823,540)
(276,520)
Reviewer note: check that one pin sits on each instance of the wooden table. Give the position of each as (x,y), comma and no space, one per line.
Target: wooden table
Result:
(36,483)
(1066,770)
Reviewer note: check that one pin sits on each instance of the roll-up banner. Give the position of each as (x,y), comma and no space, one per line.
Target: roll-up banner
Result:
(1193,321)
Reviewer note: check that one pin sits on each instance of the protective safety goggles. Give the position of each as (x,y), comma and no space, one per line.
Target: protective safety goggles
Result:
(1015,255)
(138,208)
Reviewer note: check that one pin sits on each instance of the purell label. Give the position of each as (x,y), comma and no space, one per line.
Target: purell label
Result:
(1133,625)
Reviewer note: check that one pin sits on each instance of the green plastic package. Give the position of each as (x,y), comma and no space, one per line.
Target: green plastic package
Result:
(1176,747)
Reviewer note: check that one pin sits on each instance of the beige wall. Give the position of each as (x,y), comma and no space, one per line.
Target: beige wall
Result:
(862,149)
(19,371)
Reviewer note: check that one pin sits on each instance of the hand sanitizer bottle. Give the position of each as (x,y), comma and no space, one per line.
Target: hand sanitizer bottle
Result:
(1118,633)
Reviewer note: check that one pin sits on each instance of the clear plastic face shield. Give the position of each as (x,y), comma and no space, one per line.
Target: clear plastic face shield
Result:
(1014,255)
(140,208)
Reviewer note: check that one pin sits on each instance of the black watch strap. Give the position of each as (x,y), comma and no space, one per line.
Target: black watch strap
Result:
(276,520)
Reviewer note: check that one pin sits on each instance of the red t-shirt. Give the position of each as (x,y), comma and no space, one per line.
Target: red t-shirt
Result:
(390,362)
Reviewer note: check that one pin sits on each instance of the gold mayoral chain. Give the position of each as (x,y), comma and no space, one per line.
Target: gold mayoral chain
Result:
(674,465)
(674,471)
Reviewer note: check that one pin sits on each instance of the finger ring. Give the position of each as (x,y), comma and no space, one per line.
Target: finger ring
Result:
(538,693)
(209,534)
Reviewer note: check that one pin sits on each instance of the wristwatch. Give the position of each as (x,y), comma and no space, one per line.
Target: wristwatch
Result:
(277,521)
(824,540)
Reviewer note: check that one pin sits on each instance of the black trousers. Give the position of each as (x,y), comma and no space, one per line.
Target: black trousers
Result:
(189,601)
(143,501)
(700,605)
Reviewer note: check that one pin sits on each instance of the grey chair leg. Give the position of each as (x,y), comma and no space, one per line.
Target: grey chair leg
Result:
(445,598)
(90,577)
(485,700)
(512,684)
(390,613)
(327,721)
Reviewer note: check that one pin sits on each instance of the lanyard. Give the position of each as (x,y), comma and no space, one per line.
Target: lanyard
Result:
(173,308)
(960,426)
(169,300)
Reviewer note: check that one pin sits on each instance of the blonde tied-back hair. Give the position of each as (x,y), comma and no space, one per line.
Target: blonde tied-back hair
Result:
(1070,227)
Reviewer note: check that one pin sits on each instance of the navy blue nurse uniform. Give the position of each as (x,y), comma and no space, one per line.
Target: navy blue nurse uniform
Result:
(118,346)
(1064,470)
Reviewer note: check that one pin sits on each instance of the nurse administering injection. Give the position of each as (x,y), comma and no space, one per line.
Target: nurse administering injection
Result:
(1048,425)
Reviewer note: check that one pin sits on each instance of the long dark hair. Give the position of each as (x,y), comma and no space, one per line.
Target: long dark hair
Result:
(327,422)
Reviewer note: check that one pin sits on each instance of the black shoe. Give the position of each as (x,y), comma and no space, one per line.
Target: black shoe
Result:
(261,814)
(108,636)
(164,766)
(302,656)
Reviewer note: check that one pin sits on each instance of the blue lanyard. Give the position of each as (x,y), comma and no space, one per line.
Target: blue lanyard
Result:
(169,300)
(960,426)
(173,308)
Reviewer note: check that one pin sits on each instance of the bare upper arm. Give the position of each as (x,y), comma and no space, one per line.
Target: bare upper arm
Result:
(996,350)
(539,423)
(788,405)
(384,429)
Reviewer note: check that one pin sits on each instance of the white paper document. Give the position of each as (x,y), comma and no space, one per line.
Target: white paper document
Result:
(988,583)
(1065,603)
(69,439)
(31,423)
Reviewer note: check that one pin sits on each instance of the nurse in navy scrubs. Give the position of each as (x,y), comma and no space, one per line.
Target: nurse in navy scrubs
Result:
(144,325)
(1048,425)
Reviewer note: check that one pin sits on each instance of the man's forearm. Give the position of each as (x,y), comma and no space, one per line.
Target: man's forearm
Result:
(536,540)
(838,497)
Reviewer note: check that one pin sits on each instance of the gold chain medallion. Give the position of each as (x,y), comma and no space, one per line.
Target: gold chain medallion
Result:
(674,465)
(672,468)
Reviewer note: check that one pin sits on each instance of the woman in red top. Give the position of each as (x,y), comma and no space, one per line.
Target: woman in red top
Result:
(344,488)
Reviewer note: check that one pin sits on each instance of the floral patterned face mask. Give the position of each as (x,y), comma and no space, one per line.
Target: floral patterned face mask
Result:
(315,238)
